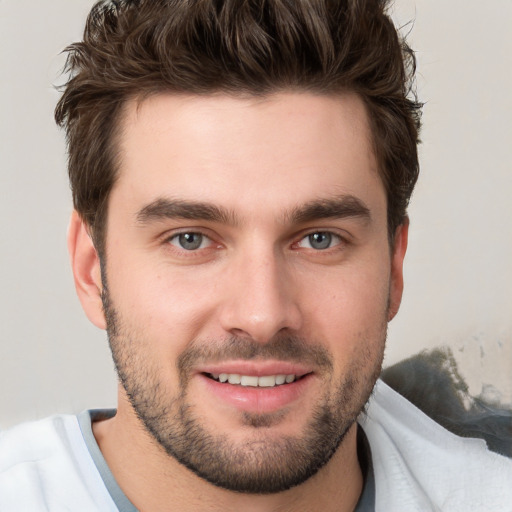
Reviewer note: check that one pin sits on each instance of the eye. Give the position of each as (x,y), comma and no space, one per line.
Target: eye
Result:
(190,241)
(320,240)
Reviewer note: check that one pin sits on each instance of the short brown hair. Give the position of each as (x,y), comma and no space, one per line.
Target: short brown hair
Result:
(134,48)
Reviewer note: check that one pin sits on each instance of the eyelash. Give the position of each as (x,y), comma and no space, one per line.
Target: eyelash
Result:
(176,236)
(333,237)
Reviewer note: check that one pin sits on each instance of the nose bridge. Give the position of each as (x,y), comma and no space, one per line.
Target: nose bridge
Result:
(259,298)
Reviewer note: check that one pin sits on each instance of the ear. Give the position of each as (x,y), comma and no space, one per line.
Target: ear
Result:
(85,264)
(397,266)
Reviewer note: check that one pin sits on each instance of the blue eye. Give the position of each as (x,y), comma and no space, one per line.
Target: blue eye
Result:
(190,241)
(320,240)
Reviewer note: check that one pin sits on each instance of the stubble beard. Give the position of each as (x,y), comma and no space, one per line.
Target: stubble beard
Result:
(263,463)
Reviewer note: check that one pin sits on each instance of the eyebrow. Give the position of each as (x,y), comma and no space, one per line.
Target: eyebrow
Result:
(162,208)
(344,206)
(339,207)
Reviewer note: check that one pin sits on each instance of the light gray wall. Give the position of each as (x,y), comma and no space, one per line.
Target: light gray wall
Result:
(459,266)
(459,269)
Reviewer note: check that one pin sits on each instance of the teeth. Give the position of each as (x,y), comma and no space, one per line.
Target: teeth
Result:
(280,379)
(234,378)
(247,380)
(267,381)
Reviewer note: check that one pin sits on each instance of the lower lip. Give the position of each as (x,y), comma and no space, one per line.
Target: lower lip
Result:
(258,399)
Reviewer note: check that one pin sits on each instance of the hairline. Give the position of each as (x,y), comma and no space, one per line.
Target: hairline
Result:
(99,229)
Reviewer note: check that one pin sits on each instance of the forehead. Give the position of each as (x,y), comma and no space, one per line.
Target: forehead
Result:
(252,154)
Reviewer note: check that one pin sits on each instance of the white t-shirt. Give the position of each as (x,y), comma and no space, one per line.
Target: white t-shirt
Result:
(54,465)
(419,466)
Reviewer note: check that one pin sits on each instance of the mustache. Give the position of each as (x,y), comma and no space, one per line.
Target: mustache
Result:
(283,348)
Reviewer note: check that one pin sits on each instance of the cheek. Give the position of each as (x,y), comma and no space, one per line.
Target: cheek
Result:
(349,308)
(166,305)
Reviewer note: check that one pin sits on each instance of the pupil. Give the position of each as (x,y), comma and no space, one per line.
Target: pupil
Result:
(320,240)
(191,241)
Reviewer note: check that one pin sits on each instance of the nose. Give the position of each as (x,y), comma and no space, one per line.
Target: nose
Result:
(259,298)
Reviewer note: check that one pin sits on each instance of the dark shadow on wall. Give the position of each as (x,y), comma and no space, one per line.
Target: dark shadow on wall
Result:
(431,381)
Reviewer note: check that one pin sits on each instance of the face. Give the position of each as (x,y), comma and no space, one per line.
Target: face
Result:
(248,280)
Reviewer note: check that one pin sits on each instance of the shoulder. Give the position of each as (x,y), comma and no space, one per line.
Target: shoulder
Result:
(419,465)
(433,383)
(34,441)
(45,465)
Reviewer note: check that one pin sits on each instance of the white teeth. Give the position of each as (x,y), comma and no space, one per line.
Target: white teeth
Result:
(249,380)
(234,378)
(267,381)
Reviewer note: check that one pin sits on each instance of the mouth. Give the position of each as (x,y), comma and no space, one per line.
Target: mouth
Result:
(265,381)
(257,387)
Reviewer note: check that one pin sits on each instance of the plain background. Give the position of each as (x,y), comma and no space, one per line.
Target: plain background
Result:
(459,265)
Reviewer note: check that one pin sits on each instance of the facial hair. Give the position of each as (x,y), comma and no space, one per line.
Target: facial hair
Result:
(263,463)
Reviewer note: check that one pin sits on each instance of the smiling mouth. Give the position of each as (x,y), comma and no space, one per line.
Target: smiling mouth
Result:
(266,381)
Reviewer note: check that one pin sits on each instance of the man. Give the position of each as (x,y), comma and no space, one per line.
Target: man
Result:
(240,173)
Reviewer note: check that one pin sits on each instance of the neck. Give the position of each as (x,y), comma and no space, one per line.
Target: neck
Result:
(154,481)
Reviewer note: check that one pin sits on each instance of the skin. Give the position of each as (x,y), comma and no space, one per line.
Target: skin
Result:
(255,277)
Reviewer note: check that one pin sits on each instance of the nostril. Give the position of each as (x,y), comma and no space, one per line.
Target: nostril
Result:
(239,332)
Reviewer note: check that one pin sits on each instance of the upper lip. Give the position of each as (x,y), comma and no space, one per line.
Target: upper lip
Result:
(256,368)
